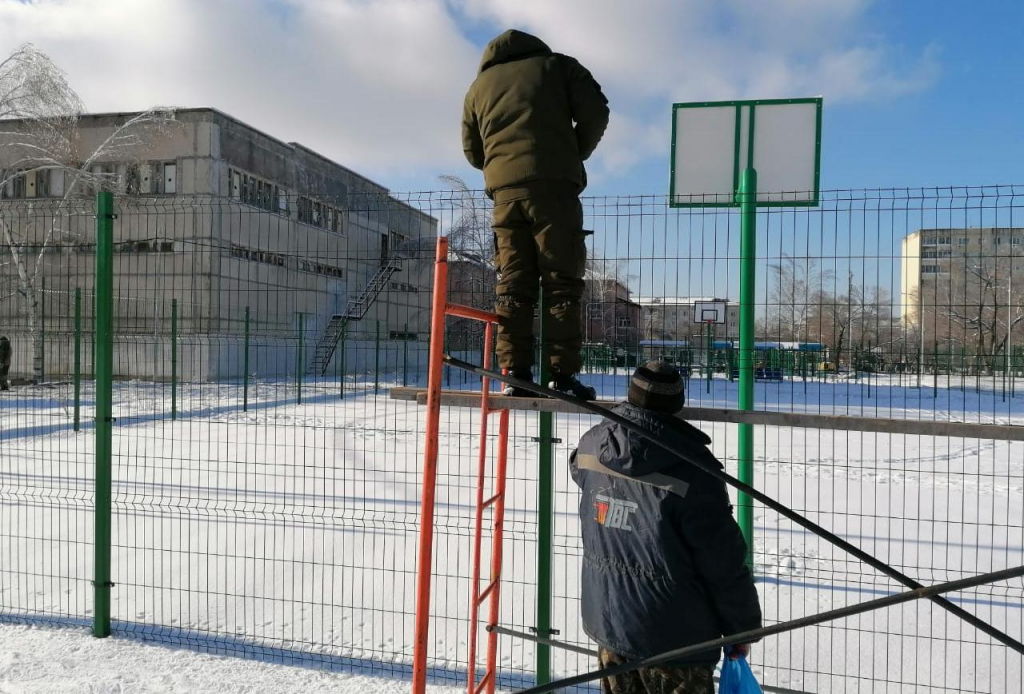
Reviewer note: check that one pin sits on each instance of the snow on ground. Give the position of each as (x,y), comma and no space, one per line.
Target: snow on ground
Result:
(289,531)
(44,660)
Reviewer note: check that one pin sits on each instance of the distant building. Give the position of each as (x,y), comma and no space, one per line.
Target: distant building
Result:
(611,317)
(672,318)
(222,218)
(964,288)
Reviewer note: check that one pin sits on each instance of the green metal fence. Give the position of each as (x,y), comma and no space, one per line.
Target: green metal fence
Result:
(200,449)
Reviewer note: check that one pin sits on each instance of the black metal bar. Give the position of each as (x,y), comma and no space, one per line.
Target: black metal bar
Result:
(541,639)
(586,651)
(771,503)
(929,592)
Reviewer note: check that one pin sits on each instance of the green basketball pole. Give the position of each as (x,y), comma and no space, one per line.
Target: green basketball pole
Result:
(748,275)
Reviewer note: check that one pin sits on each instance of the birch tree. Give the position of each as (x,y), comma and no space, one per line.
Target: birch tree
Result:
(39,133)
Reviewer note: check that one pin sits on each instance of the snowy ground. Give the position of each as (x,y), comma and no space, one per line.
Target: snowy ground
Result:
(288,532)
(42,660)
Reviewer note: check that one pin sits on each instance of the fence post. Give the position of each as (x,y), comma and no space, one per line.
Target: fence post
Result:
(376,359)
(298,364)
(245,364)
(405,355)
(748,278)
(545,514)
(104,411)
(42,331)
(78,359)
(341,363)
(174,359)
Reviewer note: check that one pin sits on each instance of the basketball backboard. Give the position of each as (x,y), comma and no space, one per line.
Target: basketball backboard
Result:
(714,141)
(709,312)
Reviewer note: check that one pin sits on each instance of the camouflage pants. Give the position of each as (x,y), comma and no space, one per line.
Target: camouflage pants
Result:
(539,239)
(696,679)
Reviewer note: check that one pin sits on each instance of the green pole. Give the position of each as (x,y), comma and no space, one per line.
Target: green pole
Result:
(748,278)
(405,355)
(245,364)
(341,364)
(174,359)
(298,364)
(78,359)
(104,410)
(42,332)
(376,360)
(709,355)
(545,516)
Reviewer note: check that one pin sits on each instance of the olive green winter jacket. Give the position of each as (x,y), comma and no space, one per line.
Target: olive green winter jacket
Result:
(531,115)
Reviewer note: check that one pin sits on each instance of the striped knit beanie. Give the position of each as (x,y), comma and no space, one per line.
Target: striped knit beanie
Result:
(657,386)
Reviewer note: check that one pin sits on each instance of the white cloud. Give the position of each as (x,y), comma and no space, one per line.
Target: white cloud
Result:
(378,84)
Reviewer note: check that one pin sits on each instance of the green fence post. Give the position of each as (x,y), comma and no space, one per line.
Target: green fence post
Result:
(78,359)
(341,363)
(245,364)
(405,355)
(748,278)
(545,516)
(104,410)
(376,360)
(298,364)
(174,359)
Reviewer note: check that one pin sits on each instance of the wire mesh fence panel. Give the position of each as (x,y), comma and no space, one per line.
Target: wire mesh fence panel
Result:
(266,486)
(45,465)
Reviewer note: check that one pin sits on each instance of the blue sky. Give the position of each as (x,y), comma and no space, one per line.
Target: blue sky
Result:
(916,93)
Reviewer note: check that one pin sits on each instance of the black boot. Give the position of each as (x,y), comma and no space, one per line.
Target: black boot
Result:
(572,386)
(517,392)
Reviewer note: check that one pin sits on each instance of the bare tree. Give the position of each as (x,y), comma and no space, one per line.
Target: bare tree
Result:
(794,285)
(861,318)
(40,136)
(981,305)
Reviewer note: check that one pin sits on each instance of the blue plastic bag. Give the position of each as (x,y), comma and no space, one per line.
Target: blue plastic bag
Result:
(737,678)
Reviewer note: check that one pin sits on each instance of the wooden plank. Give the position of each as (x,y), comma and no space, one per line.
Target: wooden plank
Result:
(916,427)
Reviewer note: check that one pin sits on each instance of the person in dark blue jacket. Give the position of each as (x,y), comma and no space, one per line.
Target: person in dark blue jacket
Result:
(663,558)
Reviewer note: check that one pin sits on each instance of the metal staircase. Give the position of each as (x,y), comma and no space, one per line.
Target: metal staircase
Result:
(354,310)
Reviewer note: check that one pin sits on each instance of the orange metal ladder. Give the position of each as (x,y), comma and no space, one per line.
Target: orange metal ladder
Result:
(440,310)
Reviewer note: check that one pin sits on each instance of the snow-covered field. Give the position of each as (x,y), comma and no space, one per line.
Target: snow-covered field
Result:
(288,532)
(47,660)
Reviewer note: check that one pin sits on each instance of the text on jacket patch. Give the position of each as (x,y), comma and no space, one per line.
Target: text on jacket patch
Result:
(613,513)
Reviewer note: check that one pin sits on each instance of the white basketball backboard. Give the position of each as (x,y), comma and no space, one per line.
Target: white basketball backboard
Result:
(709,312)
(713,142)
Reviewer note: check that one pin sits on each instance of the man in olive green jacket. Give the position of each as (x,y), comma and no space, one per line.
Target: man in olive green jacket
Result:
(531,119)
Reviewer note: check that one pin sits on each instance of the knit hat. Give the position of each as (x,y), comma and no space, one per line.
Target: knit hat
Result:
(657,386)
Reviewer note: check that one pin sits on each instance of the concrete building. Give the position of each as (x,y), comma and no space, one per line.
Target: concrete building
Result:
(964,288)
(221,218)
(672,318)
(610,316)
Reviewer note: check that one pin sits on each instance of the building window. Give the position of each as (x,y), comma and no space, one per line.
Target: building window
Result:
(141,246)
(321,269)
(962,241)
(625,322)
(319,214)
(930,269)
(256,191)
(257,256)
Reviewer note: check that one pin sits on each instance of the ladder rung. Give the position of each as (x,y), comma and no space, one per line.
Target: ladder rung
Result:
(491,501)
(487,591)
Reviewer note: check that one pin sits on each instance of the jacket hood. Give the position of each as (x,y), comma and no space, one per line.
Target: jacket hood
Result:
(512,45)
(631,454)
